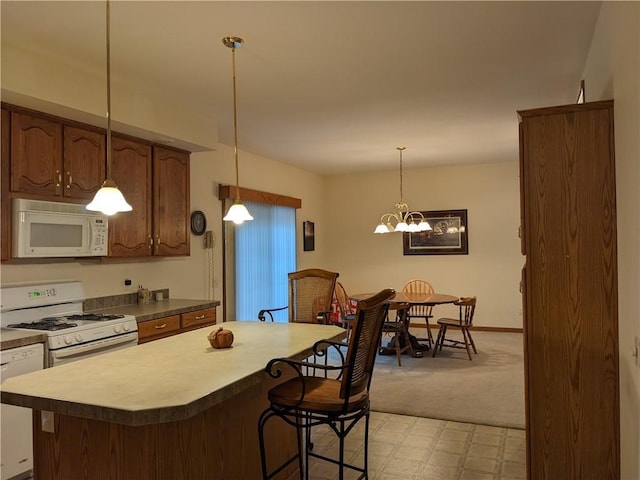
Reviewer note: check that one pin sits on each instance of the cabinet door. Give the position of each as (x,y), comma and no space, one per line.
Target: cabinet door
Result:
(571,332)
(84,162)
(5,227)
(171,202)
(36,155)
(130,232)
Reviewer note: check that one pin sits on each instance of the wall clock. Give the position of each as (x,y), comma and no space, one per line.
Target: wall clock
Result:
(198,222)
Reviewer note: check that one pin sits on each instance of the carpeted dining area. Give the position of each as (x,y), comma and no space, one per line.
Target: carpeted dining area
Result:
(489,390)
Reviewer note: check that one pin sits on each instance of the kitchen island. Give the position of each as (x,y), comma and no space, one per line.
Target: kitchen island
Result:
(174,408)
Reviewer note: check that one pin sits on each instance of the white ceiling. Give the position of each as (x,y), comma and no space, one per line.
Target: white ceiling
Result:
(334,87)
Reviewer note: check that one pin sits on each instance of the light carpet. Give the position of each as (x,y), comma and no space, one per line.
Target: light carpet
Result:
(487,391)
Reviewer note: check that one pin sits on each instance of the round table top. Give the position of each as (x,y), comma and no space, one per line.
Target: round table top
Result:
(417,298)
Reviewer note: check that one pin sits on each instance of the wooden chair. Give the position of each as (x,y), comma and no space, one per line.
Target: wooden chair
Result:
(418,285)
(347,312)
(464,323)
(397,324)
(310,295)
(306,401)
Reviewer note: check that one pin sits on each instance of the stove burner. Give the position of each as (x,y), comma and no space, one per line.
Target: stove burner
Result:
(101,317)
(50,323)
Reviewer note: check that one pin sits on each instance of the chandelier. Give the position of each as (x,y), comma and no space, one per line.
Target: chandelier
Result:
(237,213)
(109,198)
(403,219)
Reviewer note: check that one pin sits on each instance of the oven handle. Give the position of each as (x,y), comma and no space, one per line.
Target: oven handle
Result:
(94,346)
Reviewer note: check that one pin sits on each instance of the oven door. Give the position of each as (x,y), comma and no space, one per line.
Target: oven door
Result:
(91,349)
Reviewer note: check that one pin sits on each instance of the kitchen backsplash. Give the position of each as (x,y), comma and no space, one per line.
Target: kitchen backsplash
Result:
(97,303)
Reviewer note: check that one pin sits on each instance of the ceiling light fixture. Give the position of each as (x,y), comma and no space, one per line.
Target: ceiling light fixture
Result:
(109,199)
(238,213)
(404,219)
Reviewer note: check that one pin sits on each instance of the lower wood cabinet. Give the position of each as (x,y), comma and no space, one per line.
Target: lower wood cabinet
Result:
(174,324)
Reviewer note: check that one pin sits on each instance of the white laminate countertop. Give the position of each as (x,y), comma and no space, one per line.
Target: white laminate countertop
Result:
(166,380)
(19,338)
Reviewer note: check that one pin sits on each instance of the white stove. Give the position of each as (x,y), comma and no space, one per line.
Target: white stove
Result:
(56,309)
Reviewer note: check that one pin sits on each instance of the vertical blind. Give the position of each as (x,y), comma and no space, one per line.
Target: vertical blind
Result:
(265,254)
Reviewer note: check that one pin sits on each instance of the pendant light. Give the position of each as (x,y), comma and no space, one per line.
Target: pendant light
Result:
(404,219)
(238,213)
(109,198)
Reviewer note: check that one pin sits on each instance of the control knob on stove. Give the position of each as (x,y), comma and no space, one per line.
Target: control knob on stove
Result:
(126,327)
(117,328)
(78,337)
(67,339)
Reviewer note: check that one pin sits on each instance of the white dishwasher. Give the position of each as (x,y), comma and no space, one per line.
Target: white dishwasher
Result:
(16,455)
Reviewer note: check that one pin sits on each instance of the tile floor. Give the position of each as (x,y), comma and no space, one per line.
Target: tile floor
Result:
(412,448)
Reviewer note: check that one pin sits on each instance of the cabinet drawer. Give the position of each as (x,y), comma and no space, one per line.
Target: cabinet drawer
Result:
(159,327)
(199,317)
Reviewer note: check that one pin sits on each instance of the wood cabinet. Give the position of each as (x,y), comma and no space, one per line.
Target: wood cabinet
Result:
(56,160)
(570,291)
(130,232)
(166,326)
(170,202)
(50,158)
(84,162)
(155,181)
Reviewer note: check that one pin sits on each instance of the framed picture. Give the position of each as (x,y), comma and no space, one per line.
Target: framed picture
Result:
(448,235)
(308,236)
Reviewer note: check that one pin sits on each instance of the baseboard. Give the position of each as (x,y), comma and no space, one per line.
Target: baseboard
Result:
(475,328)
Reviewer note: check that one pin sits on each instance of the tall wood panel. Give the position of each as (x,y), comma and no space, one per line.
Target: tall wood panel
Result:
(570,291)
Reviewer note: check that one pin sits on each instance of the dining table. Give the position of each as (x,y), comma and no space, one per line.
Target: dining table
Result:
(414,298)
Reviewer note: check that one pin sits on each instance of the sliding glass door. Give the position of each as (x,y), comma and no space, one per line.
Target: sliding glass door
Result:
(264,253)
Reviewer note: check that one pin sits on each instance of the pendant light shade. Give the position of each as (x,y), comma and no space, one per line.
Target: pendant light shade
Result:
(238,213)
(109,199)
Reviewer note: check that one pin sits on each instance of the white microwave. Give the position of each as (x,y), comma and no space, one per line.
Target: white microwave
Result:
(52,229)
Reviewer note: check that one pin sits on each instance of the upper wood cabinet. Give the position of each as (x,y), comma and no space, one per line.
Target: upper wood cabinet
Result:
(130,232)
(52,159)
(36,155)
(155,181)
(170,202)
(570,291)
(84,162)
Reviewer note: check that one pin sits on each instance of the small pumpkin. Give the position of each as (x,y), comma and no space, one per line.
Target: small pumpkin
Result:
(220,338)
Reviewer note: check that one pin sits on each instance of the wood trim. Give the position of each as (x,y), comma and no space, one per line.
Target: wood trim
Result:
(573,107)
(229,191)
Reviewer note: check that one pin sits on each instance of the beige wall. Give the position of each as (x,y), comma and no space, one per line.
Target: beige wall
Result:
(613,71)
(491,271)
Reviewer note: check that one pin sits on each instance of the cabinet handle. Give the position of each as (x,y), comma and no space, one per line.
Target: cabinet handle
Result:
(200,317)
(70,180)
(160,327)
(150,242)
(57,178)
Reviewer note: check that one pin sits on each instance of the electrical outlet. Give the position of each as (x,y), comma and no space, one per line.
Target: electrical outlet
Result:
(47,421)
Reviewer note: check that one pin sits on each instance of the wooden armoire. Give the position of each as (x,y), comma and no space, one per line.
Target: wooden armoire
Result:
(570,292)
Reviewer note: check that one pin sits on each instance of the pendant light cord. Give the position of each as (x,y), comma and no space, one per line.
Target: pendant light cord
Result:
(235,122)
(108,91)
